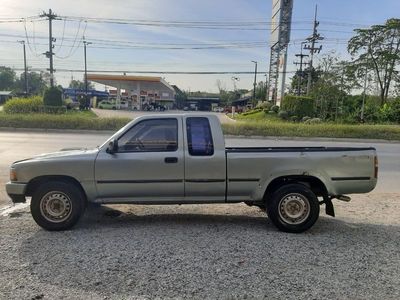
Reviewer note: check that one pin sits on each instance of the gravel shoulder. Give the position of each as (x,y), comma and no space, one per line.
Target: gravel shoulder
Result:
(205,252)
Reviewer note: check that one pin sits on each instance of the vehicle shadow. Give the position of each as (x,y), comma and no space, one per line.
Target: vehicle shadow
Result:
(193,255)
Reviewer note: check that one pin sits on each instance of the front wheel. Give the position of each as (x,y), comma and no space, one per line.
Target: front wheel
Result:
(293,208)
(57,205)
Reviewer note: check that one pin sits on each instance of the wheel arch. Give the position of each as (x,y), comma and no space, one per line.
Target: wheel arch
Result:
(34,183)
(315,184)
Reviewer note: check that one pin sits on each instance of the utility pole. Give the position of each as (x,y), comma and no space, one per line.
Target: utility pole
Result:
(86,81)
(25,69)
(255,80)
(313,39)
(300,76)
(49,54)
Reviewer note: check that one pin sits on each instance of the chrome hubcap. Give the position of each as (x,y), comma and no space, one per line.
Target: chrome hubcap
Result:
(294,208)
(55,207)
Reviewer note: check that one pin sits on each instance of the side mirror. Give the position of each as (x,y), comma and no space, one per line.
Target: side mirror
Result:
(112,147)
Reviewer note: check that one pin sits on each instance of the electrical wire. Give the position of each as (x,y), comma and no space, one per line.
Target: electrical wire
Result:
(73,49)
(27,40)
(62,39)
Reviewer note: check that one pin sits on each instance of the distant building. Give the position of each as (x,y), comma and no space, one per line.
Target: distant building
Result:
(203,103)
(141,92)
(75,93)
(242,103)
(5,95)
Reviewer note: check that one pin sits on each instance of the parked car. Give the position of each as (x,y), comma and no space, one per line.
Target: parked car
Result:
(107,105)
(182,159)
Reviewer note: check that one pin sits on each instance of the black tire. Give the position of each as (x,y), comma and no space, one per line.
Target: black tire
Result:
(114,108)
(52,194)
(290,196)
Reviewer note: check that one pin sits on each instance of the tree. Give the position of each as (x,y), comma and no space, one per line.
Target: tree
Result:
(377,48)
(80,85)
(329,90)
(7,78)
(303,77)
(36,83)
(261,91)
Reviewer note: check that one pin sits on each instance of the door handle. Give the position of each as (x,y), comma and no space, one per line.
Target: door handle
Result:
(171,160)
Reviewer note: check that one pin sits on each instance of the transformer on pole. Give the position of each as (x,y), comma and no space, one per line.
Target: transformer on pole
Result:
(281,21)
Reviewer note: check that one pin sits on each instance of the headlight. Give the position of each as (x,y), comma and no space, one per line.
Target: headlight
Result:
(13,175)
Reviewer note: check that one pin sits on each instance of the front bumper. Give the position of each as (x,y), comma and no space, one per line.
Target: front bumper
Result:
(16,191)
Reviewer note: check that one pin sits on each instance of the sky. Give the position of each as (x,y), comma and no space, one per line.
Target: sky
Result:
(119,47)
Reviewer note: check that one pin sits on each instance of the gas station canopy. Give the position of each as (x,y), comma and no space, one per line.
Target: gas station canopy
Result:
(134,83)
(140,90)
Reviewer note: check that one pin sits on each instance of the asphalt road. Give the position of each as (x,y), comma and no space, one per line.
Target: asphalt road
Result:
(19,145)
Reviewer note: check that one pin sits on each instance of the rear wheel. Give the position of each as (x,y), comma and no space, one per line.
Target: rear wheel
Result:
(57,205)
(293,208)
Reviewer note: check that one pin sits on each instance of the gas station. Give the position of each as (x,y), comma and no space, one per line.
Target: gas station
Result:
(141,92)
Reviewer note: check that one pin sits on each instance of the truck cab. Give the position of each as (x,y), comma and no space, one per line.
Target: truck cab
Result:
(164,160)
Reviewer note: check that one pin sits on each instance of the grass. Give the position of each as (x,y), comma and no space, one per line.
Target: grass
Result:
(71,120)
(257,124)
(261,124)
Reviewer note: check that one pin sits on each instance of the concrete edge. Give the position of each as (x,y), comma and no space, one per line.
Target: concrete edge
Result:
(277,138)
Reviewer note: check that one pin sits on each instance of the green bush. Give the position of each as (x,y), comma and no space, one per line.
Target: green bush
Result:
(284,115)
(23,105)
(395,105)
(266,105)
(53,97)
(390,112)
(69,103)
(298,105)
(275,108)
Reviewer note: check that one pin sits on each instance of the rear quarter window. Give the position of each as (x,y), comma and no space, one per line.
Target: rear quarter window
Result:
(200,142)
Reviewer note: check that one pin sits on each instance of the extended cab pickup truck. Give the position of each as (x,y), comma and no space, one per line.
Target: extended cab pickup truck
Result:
(182,159)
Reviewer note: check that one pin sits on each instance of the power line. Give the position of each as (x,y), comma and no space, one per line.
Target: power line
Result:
(157,72)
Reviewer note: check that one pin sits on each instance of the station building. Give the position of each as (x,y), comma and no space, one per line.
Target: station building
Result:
(140,92)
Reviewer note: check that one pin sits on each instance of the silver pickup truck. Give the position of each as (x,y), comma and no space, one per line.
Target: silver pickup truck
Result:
(182,159)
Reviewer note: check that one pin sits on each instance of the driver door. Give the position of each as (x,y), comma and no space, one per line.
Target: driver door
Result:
(148,166)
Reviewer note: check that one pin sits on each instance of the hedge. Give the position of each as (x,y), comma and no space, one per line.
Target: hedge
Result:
(65,121)
(298,105)
(53,97)
(23,105)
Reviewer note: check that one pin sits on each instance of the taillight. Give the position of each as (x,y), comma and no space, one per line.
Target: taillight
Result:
(376,166)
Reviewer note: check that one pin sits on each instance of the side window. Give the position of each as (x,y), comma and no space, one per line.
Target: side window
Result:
(199,137)
(158,135)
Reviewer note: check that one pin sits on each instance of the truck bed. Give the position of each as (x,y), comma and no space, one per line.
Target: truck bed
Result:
(343,170)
